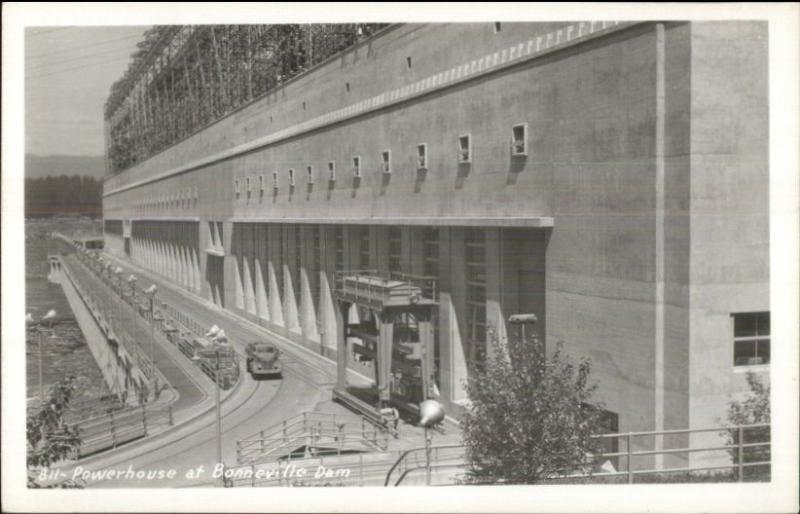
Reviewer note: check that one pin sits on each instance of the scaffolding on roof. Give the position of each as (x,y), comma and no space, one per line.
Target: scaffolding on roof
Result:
(183,78)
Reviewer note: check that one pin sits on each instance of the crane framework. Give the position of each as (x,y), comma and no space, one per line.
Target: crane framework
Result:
(183,78)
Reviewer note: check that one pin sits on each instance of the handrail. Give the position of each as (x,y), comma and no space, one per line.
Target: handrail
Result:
(738,447)
(406,453)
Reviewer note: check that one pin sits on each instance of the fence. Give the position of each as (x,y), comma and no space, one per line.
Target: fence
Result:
(309,428)
(117,427)
(743,454)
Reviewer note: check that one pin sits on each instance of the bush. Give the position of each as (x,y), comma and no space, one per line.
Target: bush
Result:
(753,410)
(50,440)
(530,416)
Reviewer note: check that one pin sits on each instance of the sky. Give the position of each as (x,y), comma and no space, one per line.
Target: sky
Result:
(68,74)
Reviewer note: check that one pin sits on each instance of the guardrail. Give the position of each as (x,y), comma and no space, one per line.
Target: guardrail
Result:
(304,428)
(118,427)
(447,456)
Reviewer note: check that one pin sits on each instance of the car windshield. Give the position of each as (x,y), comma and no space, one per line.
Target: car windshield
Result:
(264,349)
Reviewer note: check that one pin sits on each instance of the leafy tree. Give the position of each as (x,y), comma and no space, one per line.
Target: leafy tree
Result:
(753,410)
(50,440)
(530,416)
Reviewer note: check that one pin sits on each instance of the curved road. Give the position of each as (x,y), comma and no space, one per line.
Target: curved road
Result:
(255,405)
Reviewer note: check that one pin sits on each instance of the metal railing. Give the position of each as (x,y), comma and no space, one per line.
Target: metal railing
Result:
(118,427)
(451,455)
(308,428)
(447,456)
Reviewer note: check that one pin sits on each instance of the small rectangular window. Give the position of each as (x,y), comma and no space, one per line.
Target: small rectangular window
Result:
(236,188)
(247,185)
(332,171)
(356,166)
(751,340)
(310,174)
(261,185)
(422,156)
(464,149)
(519,140)
(386,159)
(275,180)
(291,177)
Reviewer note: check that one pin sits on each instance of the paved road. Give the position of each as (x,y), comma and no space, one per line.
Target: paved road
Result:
(256,405)
(126,321)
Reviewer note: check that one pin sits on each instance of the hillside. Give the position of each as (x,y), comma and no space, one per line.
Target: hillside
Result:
(38,166)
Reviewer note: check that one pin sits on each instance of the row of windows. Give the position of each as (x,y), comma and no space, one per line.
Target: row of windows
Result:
(182,198)
(519,148)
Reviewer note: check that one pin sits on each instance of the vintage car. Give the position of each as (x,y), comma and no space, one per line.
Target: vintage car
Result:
(262,360)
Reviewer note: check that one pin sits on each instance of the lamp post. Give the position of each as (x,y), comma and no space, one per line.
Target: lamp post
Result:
(522,320)
(132,283)
(219,421)
(51,314)
(431,414)
(150,292)
(118,274)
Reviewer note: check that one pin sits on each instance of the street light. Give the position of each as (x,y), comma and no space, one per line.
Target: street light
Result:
(150,292)
(431,414)
(51,314)
(522,320)
(132,282)
(118,274)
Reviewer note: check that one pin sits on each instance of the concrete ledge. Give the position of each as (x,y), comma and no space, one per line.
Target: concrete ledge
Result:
(521,221)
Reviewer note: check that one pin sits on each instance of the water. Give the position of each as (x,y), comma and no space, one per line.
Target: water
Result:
(64,349)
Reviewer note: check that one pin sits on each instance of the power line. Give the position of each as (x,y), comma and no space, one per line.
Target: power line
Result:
(75,48)
(79,58)
(48,31)
(72,69)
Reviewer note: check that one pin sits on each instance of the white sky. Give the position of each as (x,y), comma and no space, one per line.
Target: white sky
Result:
(68,74)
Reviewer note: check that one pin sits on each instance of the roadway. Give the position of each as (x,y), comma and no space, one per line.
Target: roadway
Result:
(252,406)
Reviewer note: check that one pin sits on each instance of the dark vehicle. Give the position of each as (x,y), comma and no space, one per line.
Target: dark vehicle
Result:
(262,360)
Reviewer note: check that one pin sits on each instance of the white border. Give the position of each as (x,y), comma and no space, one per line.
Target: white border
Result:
(779,496)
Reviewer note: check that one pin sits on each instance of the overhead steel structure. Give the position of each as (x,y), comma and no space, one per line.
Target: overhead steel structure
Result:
(184,78)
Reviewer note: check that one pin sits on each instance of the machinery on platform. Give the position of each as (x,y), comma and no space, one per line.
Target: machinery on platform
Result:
(262,360)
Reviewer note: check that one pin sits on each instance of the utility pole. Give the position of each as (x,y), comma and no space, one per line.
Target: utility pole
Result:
(219,421)
(47,317)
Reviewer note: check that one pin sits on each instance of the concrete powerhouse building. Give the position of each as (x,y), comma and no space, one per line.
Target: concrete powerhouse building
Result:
(611,178)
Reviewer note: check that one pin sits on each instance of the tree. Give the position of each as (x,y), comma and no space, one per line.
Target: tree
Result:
(753,410)
(49,439)
(530,416)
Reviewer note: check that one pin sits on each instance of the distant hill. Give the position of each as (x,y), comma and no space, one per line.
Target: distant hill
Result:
(38,166)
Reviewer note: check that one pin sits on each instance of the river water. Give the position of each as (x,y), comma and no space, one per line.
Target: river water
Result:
(64,349)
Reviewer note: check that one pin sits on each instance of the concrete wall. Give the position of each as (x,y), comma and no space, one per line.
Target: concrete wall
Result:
(646,146)
(729,205)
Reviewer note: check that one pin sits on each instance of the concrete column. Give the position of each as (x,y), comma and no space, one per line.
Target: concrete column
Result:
(249,291)
(426,341)
(308,317)
(229,293)
(342,309)
(379,247)
(237,281)
(262,305)
(274,302)
(384,364)
(327,306)
(495,319)
(289,301)
(181,259)
(452,302)
(330,327)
